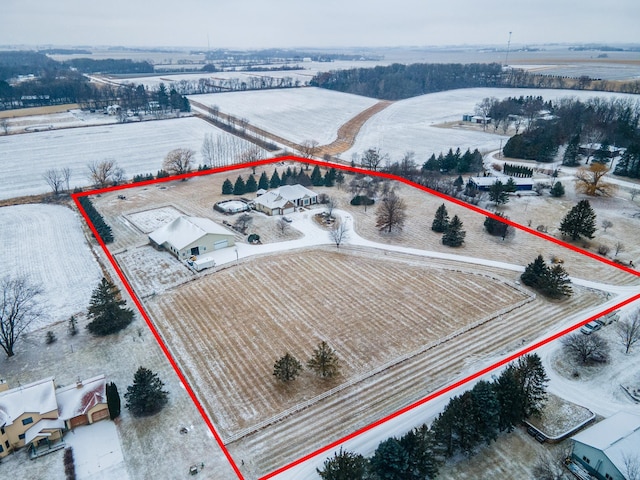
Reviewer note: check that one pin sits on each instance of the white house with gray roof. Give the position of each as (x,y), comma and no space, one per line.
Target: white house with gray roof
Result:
(285,199)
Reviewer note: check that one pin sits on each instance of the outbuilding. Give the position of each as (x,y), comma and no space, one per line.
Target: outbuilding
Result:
(604,449)
(484,183)
(186,236)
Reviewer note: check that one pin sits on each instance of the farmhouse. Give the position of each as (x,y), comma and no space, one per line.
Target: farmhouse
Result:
(37,414)
(602,449)
(189,236)
(484,183)
(285,199)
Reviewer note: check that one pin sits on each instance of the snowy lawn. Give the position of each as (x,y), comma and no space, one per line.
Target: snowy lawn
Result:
(297,114)
(46,243)
(97,453)
(138,148)
(410,125)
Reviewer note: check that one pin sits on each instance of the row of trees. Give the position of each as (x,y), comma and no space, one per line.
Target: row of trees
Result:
(323,362)
(289,177)
(455,162)
(469,420)
(95,217)
(453,234)
(550,281)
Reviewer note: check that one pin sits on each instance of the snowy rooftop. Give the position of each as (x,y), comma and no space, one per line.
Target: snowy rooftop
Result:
(185,230)
(616,436)
(78,399)
(37,429)
(279,197)
(36,397)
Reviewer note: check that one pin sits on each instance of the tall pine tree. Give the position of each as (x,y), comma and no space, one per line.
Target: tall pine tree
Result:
(324,361)
(106,310)
(113,400)
(239,188)
(146,396)
(227,187)
(286,368)
(441,219)
(251,185)
(275,180)
(454,234)
(580,221)
(263,183)
(344,466)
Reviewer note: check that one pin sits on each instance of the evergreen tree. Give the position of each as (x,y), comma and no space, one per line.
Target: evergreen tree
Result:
(286,368)
(557,283)
(571,156)
(454,234)
(344,466)
(458,183)
(498,193)
(601,155)
(113,400)
(73,325)
(251,185)
(239,188)
(316,177)
(324,361)
(486,411)
(580,221)
(275,180)
(535,272)
(532,380)
(340,178)
(419,445)
(263,183)
(227,187)
(106,310)
(146,396)
(390,461)
(441,220)
(557,190)
(431,165)
(330,177)
(496,227)
(510,186)
(510,397)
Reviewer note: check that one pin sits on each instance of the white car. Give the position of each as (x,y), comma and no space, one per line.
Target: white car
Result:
(590,327)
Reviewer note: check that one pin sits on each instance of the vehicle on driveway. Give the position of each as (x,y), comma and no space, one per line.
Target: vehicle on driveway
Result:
(590,327)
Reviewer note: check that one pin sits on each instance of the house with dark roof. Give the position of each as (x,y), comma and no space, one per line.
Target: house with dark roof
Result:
(36,415)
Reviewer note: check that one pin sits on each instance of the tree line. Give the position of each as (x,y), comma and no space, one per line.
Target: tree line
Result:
(470,420)
(289,177)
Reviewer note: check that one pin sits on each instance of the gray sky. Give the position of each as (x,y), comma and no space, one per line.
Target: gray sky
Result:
(321,23)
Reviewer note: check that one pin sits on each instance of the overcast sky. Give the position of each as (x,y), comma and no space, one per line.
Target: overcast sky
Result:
(316,23)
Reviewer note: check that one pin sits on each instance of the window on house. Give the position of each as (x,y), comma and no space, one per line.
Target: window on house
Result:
(1,449)
(6,443)
(21,436)
(27,421)
(1,431)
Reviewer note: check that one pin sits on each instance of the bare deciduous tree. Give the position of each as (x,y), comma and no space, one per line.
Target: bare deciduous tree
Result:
(634,193)
(339,233)
(617,248)
(631,466)
(629,331)
(282,225)
(19,308)
(391,213)
(587,348)
(101,172)
(178,161)
(309,148)
(331,205)
(4,125)
(606,224)
(208,150)
(372,159)
(54,179)
(243,222)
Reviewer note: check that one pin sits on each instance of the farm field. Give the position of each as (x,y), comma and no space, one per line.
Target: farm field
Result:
(411,124)
(46,244)
(297,114)
(138,148)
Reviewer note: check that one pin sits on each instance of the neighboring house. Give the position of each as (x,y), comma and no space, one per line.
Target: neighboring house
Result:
(285,199)
(37,414)
(484,183)
(191,236)
(602,449)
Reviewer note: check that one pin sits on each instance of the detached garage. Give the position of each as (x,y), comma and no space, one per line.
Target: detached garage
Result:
(191,236)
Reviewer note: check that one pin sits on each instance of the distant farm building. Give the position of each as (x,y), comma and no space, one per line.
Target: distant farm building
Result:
(36,415)
(602,450)
(284,200)
(476,119)
(188,236)
(591,149)
(484,183)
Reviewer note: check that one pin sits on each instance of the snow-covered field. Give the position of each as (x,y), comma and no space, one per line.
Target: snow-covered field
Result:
(71,118)
(297,114)
(138,148)
(409,125)
(46,244)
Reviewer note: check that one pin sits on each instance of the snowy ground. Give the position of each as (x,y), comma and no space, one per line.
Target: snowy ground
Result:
(71,118)
(297,114)
(409,125)
(138,148)
(46,243)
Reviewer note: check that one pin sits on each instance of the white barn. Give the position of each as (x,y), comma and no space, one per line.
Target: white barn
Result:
(191,236)
(601,450)
(285,199)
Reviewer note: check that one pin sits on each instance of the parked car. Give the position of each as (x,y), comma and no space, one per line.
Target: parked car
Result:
(286,219)
(590,327)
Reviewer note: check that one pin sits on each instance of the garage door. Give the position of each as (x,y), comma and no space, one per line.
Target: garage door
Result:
(220,244)
(99,415)
(288,210)
(77,421)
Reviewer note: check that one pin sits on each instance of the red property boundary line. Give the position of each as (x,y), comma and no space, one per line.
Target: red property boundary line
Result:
(426,399)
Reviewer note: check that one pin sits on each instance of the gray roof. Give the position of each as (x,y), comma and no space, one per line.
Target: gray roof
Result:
(183,231)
